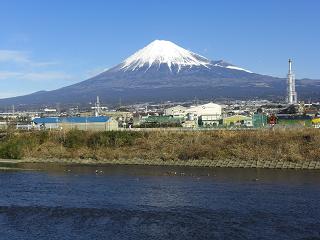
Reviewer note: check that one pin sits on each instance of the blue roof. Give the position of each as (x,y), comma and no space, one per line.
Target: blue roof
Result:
(47,120)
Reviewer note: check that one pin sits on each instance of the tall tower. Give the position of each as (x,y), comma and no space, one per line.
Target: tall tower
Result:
(291,91)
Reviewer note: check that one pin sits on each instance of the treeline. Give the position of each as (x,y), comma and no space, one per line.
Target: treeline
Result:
(260,145)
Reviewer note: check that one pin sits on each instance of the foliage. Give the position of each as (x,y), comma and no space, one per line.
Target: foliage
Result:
(289,145)
(112,139)
(11,149)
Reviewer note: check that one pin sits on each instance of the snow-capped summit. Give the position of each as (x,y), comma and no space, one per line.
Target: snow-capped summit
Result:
(163,52)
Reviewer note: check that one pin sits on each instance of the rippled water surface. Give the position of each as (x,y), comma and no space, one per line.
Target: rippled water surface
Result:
(130,202)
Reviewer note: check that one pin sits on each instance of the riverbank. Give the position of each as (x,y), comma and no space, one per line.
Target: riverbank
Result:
(297,149)
(305,165)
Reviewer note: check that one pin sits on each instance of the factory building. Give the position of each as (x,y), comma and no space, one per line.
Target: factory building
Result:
(209,121)
(316,122)
(161,121)
(294,120)
(206,115)
(209,109)
(100,123)
(238,120)
(176,111)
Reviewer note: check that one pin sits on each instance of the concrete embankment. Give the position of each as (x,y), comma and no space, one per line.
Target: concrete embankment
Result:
(297,149)
(307,165)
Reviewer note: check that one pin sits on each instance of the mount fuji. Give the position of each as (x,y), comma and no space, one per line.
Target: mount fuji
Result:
(164,71)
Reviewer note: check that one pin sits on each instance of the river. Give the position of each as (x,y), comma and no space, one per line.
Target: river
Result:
(46,201)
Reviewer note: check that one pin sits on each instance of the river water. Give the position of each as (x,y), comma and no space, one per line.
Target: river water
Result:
(137,202)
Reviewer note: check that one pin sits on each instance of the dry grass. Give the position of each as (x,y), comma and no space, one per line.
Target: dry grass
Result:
(262,145)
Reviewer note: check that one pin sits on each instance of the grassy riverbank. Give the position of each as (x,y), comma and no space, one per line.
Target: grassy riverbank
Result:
(163,147)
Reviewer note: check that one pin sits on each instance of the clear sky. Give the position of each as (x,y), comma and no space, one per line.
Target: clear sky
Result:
(47,44)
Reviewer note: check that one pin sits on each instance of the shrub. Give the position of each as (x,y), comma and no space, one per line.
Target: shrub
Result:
(13,149)
(75,139)
(112,139)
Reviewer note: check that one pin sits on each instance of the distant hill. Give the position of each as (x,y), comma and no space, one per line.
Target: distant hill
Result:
(164,71)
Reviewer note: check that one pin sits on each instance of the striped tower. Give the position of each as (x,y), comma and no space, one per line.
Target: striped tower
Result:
(291,91)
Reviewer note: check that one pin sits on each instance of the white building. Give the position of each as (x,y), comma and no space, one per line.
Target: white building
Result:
(50,110)
(207,115)
(209,120)
(210,109)
(176,111)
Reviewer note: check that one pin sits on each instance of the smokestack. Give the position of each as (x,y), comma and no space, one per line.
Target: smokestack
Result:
(291,91)
(290,66)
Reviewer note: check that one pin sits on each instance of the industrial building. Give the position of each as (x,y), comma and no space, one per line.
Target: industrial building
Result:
(209,109)
(238,120)
(100,123)
(208,121)
(316,122)
(294,120)
(206,115)
(161,121)
(176,111)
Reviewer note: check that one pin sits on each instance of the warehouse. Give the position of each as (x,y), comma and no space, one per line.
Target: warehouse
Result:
(238,120)
(206,115)
(176,111)
(209,109)
(100,123)
(316,122)
(161,121)
(209,121)
(290,120)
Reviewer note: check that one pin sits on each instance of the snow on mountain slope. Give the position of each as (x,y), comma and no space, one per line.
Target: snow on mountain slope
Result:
(238,68)
(161,52)
(229,66)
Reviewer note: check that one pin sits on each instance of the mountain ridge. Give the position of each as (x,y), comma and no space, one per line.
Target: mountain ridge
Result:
(164,71)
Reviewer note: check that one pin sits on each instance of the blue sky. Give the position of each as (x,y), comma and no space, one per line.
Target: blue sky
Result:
(48,44)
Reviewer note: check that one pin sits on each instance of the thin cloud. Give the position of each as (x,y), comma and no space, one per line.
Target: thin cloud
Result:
(13,56)
(4,75)
(45,76)
(27,69)
(35,76)
(21,57)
